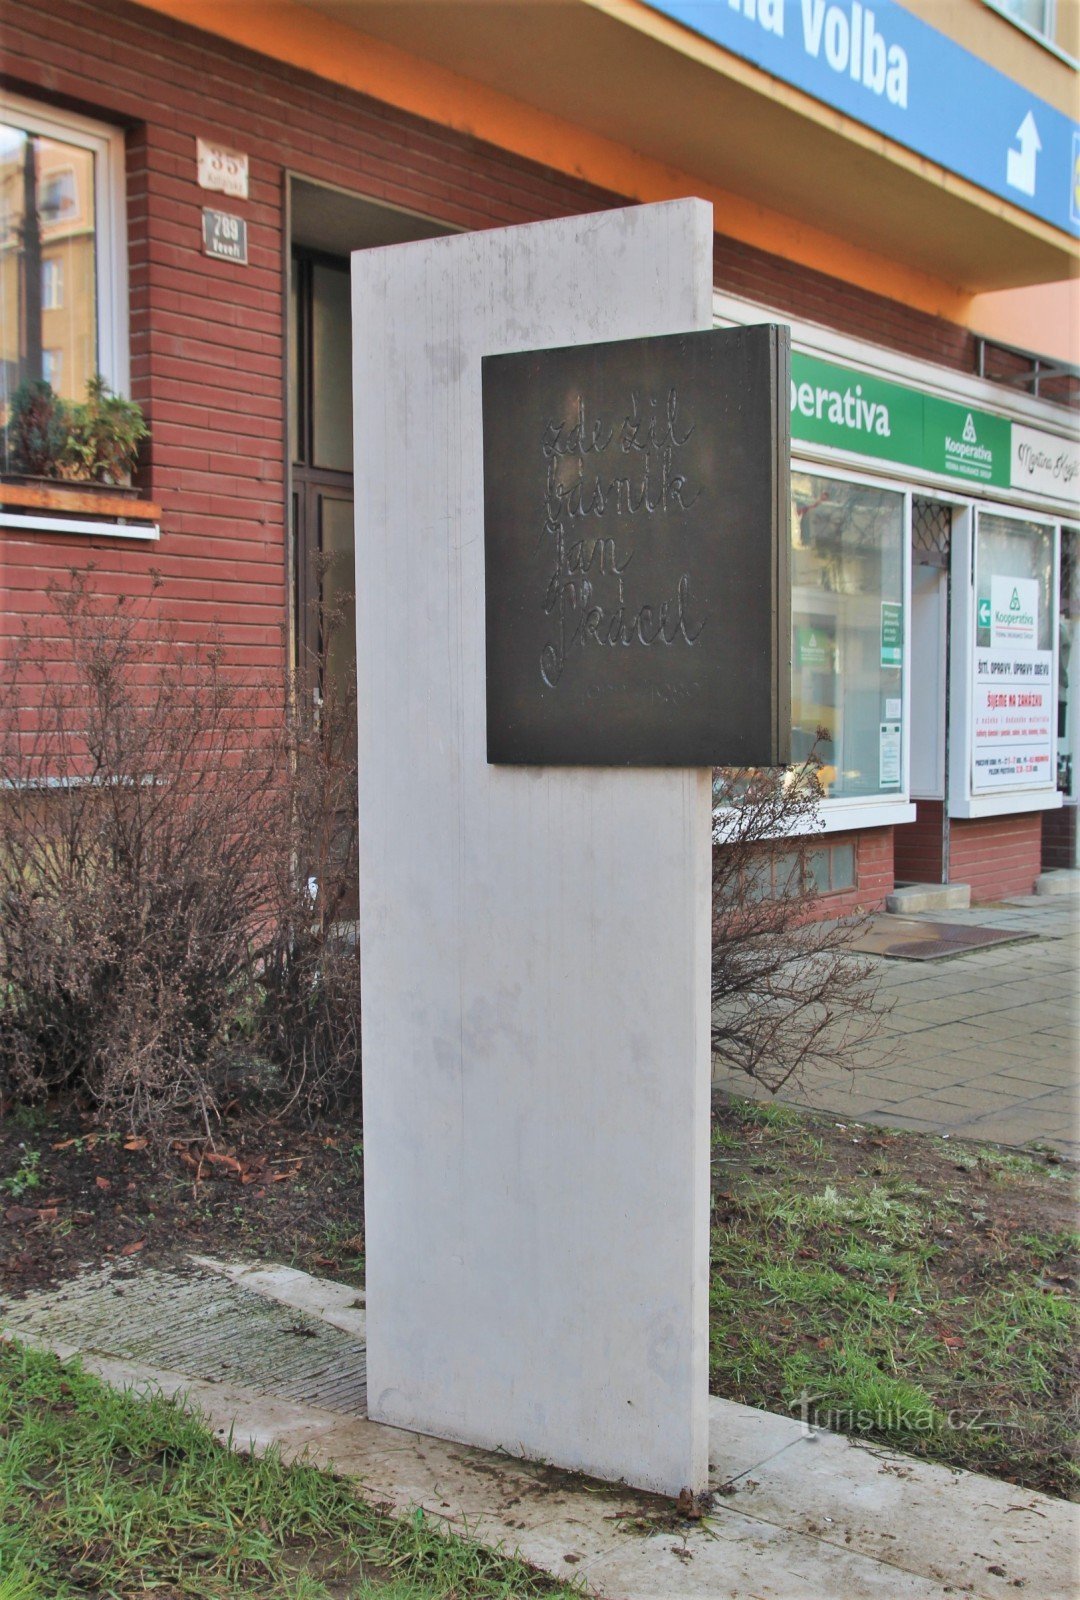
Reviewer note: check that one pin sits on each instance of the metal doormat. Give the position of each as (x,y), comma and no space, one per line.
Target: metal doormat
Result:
(905,939)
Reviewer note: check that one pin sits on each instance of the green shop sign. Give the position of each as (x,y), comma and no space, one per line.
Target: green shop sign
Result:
(851,410)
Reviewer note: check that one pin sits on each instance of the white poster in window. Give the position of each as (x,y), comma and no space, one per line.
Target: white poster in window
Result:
(889,755)
(1014,613)
(1012,725)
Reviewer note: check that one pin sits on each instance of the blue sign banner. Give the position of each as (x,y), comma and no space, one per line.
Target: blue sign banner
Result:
(886,68)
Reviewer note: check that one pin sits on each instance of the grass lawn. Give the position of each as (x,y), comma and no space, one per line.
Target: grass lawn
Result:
(915,1290)
(108,1495)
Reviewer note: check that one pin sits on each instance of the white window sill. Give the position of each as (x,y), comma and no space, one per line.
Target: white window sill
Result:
(96,529)
(841,816)
(848,816)
(1005,805)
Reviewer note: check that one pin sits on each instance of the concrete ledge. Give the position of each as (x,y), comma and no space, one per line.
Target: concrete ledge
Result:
(909,897)
(1062,880)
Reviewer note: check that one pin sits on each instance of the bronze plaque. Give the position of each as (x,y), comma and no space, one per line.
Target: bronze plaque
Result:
(636,526)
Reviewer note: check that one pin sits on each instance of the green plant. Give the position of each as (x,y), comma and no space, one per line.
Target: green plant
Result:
(25,1177)
(92,441)
(36,433)
(104,434)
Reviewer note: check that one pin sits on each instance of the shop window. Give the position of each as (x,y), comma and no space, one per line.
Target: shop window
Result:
(847,633)
(63,286)
(1014,568)
(1068,663)
(1015,627)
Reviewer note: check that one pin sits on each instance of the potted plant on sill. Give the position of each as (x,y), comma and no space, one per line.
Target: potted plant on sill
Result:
(88,445)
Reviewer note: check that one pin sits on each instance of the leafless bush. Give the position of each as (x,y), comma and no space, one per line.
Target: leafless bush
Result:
(309,966)
(135,801)
(178,858)
(788,993)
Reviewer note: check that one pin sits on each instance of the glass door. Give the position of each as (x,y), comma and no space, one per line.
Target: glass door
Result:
(320,414)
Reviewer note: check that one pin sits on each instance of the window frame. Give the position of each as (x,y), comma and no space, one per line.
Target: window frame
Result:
(964,804)
(106,143)
(846,813)
(1048,41)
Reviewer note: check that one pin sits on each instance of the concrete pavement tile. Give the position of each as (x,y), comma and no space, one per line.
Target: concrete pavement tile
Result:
(914,1124)
(1003,1129)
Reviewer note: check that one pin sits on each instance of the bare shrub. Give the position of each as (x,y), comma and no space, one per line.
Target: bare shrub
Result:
(136,799)
(308,970)
(788,993)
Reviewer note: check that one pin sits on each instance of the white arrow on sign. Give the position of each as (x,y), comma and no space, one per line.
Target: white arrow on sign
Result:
(1020,168)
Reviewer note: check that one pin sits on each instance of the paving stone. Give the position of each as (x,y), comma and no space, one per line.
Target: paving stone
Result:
(980,1039)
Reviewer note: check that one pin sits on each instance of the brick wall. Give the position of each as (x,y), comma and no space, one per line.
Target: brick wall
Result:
(917,857)
(1059,837)
(207,339)
(873,873)
(997,856)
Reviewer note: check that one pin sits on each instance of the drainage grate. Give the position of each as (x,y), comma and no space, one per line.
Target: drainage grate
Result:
(908,940)
(203,1326)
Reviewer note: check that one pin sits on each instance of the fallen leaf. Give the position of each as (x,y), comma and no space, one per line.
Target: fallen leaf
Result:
(65,1144)
(953,1343)
(133,1248)
(102,1183)
(891,1296)
(47,1213)
(135,1144)
(20,1214)
(221,1160)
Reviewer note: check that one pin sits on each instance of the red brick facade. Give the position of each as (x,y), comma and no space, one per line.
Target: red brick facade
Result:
(207,337)
(918,850)
(873,873)
(1059,838)
(997,856)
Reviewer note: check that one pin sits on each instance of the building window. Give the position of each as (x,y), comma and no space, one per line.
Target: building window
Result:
(847,576)
(1036,15)
(52,284)
(59,191)
(775,873)
(1013,728)
(63,259)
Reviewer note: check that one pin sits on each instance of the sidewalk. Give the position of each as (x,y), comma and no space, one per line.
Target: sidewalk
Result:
(981,1045)
(273,1356)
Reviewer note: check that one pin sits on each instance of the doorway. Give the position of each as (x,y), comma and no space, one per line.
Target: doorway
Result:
(325,225)
(922,848)
(320,417)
